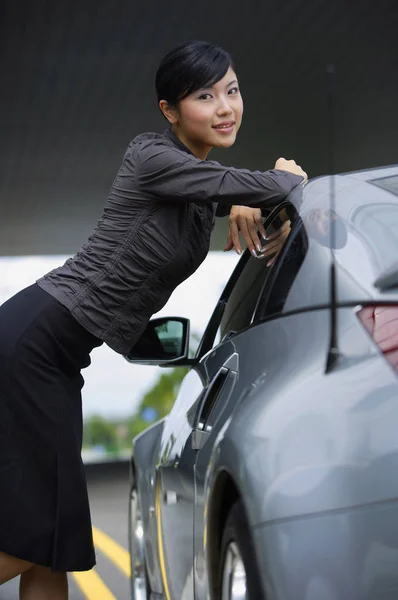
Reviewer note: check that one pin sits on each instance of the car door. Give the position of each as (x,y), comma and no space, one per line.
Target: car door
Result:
(185,428)
(174,490)
(233,359)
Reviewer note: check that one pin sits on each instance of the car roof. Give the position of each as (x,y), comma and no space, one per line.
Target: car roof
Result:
(370,185)
(366,205)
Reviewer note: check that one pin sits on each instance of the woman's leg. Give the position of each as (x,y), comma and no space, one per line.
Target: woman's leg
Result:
(11,567)
(40,583)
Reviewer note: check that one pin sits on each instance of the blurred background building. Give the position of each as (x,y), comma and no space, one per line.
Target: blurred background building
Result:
(77,84)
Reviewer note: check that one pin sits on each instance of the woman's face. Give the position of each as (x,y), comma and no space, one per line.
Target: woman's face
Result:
(209,118)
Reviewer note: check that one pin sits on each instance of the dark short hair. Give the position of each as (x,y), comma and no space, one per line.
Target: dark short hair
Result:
(188,68)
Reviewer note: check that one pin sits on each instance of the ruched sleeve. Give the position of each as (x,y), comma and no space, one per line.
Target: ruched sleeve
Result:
(169,173)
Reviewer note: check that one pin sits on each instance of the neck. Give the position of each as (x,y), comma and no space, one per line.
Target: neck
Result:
(199,151)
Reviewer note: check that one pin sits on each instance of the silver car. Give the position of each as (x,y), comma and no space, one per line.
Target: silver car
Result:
(275,476)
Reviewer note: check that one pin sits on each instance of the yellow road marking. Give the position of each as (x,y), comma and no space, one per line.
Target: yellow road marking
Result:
(114,551)
(160,541)
(92,586)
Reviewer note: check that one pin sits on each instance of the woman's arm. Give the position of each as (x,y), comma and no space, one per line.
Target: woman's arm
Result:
(170,173)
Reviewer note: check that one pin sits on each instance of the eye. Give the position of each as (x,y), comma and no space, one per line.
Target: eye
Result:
(234,90)
(204,96)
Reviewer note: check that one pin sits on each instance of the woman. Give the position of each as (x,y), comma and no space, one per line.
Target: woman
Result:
(153,234)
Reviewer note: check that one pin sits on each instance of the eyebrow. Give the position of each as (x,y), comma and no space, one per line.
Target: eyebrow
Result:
(228,84)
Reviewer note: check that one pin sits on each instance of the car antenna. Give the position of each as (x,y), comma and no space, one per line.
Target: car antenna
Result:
(334,355)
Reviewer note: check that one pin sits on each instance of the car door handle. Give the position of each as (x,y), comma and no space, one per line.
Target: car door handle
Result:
(203,429)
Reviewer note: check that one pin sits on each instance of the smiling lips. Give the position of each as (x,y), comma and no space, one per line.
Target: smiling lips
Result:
(226,127)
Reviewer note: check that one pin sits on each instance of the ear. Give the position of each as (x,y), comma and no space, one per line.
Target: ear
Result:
(169,112)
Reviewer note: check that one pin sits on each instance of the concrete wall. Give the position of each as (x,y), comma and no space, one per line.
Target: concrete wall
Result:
(77,85)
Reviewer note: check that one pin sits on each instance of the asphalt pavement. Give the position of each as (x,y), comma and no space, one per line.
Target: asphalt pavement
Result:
(108,492)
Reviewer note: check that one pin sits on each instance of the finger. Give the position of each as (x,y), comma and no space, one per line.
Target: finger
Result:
(272,236)
(267,251)
(270,252)
(285,227)
(234,233)
(260,227)
(275,235)
(247,236)
(253,233)
(273,259)
(271,249)
(229,245)
(274,246)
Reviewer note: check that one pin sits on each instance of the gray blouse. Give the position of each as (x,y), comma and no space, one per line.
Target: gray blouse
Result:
(153,234)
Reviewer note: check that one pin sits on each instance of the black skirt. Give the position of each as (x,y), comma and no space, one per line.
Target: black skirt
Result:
(44,510)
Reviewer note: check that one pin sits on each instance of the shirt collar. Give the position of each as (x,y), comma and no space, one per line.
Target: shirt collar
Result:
(169,133)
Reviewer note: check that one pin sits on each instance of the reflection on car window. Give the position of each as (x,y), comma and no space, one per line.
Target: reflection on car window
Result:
(276,289)
(242,302)
(307,249)
(236,309)
(319,222)
(377,224)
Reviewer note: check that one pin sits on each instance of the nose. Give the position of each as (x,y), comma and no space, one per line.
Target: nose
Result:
(224,107)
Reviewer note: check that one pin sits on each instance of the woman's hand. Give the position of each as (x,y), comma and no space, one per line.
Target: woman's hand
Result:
(248,221)
(290,165)
(275,242)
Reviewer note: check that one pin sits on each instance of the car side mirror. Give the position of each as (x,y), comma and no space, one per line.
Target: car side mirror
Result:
(165,340)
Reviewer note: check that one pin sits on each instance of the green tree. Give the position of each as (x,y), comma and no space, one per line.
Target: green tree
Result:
(162,395)
(160,398)
(114,435)
(98,431)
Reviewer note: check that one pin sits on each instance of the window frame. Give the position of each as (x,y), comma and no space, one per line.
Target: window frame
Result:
(208,337)
(207,342)
(273,275)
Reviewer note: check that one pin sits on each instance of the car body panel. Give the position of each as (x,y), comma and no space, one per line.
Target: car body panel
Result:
(313,455)
(176,473)
(176,500)
(338,555)
(367,248)
(306,433)
(143,474)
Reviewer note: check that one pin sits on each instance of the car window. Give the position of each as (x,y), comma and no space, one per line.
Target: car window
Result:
(207,340)
(283,273)
(244,297)
(235,309)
